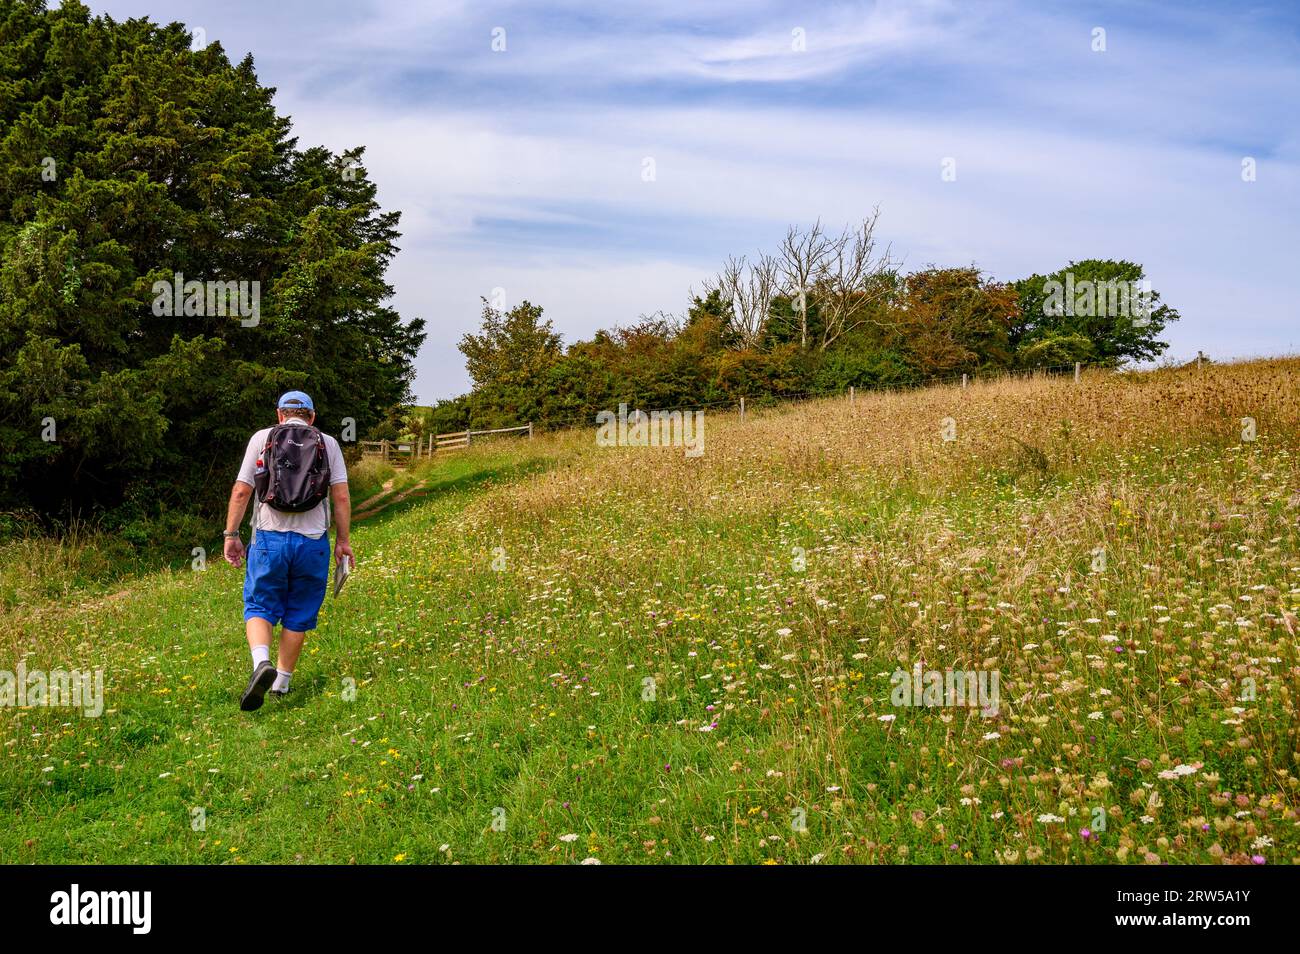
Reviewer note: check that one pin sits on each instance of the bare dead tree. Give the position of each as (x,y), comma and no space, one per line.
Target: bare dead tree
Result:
(847,277)
(850,283)
(748,289)
(801,259)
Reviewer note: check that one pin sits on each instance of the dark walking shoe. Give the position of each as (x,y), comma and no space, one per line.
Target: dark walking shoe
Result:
(261,681)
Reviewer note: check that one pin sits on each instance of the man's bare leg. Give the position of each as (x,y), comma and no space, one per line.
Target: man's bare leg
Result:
(287,659)
(259,632)
(290,649)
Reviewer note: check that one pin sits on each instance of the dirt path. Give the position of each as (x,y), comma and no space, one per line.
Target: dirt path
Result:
(369,502)
(370,508)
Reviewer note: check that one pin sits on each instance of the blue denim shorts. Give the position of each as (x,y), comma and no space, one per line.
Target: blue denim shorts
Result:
(286,578)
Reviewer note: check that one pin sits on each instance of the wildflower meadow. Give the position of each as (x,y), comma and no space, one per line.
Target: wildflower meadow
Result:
(1023,622)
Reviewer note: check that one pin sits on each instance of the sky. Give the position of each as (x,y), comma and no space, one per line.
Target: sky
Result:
(603,160)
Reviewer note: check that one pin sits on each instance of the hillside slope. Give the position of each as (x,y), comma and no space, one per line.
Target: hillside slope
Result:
(562,651)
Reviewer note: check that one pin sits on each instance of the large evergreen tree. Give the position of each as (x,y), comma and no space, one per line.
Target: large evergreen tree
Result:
(127,158)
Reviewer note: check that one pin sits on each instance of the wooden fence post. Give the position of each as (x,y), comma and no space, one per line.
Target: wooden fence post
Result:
(963,380)
(1078,365)
(530,430)
(742,410)
(850,395)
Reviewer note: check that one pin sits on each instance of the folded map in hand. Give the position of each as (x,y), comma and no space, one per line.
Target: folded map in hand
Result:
(341,570)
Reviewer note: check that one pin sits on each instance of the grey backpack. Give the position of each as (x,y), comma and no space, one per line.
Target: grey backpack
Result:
(293,473)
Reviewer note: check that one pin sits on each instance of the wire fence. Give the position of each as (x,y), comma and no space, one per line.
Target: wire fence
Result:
(768,400)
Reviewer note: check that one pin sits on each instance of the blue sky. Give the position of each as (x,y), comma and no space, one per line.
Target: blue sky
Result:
(522,169)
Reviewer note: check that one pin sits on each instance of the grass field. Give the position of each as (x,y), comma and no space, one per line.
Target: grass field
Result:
(557,652)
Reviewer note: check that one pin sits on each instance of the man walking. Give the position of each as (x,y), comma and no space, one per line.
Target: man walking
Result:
(294,473)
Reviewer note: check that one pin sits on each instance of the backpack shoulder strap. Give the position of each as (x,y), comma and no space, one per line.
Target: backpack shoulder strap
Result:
(257,497)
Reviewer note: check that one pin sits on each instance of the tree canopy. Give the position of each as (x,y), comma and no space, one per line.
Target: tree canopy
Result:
(172,261)
(824,313)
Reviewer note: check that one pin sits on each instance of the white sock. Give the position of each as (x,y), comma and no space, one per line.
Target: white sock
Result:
(281,683)
(261,654)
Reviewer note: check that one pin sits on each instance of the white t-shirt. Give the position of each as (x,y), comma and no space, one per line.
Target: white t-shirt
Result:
(310,523)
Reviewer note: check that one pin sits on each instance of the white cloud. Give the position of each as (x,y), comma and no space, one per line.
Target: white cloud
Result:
(523,169)
(1023,201)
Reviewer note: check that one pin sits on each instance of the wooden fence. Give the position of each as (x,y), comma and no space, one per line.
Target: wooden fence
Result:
(400,453)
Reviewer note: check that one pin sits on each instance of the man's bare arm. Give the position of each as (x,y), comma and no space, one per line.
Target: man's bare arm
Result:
(239,495)
(234,547)
(342,502)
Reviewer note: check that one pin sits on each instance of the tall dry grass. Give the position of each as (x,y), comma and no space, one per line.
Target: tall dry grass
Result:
(1036,427)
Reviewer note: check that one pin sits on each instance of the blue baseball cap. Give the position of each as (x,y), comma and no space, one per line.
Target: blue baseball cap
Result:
(295,401)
